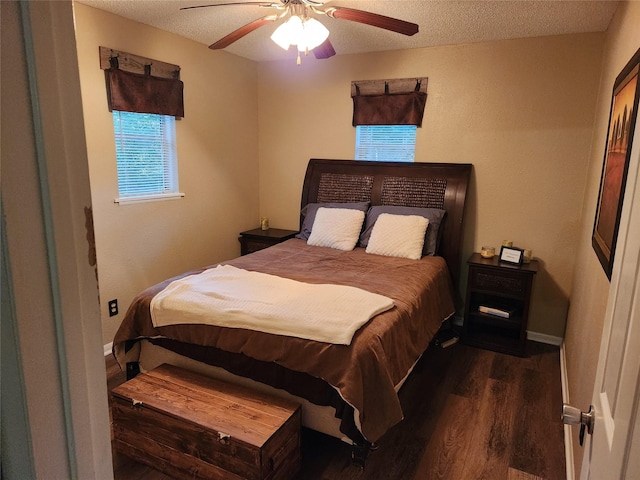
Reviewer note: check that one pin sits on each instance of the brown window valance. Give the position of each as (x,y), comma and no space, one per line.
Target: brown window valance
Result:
(389,102)
(130,91)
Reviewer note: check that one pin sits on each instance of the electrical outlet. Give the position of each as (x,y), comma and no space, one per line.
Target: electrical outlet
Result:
(113,308)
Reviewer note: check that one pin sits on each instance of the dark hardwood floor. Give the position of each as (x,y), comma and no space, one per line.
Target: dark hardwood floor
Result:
(469,414)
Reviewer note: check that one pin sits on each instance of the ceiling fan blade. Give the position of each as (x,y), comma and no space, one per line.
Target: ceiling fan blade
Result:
(260,4)
(241,32)
(324,50)
(373,19)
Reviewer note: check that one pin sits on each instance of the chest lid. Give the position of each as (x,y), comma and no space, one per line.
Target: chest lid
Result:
(241,413)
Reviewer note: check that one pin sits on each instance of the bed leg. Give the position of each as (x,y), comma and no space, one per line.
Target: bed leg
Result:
(133,369)
(359,453)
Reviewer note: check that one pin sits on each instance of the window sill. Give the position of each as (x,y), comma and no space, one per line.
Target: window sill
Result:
(148,198)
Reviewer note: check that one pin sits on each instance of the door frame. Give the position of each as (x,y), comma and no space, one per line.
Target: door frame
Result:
(53,285)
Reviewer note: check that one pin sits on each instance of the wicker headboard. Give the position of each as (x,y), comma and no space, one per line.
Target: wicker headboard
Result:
(435,185)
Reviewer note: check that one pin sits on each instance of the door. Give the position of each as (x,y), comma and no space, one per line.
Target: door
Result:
(616,391)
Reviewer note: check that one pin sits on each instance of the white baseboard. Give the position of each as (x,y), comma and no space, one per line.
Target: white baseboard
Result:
(544,338)
(568,443)
(534,336)
(107,348)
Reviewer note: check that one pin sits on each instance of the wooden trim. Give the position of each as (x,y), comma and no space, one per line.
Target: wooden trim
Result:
(395,85)
(136,64)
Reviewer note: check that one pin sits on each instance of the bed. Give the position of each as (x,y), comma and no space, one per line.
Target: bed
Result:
(349,390)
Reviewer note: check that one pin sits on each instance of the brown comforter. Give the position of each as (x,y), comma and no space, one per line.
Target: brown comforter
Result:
(381,353)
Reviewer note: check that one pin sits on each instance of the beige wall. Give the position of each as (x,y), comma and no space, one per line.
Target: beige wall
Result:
(520,111)
(590,291)
(139,245)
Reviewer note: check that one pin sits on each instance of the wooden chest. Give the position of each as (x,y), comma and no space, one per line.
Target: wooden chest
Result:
(191,426)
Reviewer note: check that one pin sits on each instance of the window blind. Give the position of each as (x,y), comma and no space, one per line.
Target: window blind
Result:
(389,143)
(145,154)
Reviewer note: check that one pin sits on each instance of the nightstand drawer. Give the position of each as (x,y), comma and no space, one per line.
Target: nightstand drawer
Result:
(502,282)
(251,245)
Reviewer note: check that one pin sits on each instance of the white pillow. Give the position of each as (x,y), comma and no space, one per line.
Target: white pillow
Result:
(398,236)
(337,228)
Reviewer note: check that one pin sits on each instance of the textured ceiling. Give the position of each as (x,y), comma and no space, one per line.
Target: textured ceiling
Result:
(441,22)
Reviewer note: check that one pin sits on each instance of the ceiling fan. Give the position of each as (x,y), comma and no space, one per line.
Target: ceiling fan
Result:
(304,31)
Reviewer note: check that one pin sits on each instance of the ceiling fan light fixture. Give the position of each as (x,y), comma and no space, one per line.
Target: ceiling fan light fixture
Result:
(306,35)
(314,34)
(288,33)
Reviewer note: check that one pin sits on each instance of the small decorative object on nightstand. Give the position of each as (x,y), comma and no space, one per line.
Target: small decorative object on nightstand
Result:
(257,239)
(497,304)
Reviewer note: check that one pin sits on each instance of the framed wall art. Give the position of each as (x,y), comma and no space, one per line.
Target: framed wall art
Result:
(622,119)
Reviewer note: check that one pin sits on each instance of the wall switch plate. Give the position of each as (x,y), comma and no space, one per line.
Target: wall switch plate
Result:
(113,308)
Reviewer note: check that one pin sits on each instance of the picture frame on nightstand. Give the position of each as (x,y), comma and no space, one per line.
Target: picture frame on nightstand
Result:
(511,255)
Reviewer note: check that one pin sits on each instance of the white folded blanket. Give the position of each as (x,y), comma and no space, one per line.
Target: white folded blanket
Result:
(227,296)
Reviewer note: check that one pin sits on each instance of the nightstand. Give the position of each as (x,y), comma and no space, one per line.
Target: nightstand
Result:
(257,239)
(497,304)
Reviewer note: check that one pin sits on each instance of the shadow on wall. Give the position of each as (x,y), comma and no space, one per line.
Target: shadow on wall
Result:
(549,304)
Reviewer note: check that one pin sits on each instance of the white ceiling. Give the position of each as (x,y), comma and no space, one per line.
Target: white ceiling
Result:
(441,22)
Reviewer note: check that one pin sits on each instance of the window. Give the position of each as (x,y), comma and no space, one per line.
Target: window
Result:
(146,156)
(388,143)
